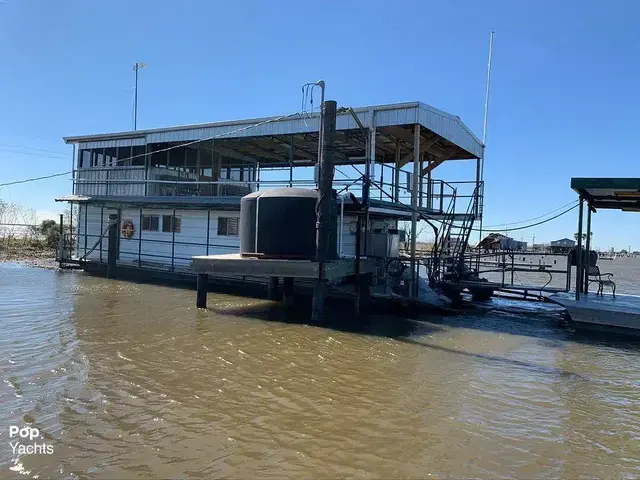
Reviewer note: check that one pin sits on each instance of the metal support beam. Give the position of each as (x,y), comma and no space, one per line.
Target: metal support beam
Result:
(579,250)
(414,211)
(396,179)
(588,249)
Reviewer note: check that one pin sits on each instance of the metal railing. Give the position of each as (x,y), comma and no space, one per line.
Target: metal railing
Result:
(506,269)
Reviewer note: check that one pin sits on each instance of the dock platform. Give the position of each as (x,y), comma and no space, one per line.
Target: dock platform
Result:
(236,264)
(621,311)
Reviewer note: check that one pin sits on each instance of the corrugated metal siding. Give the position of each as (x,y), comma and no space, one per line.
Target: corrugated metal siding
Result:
(450,128)
(122,142)
(101,174)
(442,123)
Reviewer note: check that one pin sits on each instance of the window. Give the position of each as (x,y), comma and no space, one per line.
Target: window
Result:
(228,226)
(150,223)
(170,224)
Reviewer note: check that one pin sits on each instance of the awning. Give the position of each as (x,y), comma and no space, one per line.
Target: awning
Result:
(609,193)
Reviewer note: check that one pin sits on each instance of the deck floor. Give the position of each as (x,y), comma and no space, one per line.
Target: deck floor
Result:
(618,311)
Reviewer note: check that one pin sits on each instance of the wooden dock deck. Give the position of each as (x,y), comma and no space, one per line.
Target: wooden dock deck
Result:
(621,311)
(236,264)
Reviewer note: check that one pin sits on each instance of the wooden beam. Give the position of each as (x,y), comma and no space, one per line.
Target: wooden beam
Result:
(439,161)
(409,156)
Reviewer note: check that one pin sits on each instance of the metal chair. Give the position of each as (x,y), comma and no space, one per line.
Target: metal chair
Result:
(594,276)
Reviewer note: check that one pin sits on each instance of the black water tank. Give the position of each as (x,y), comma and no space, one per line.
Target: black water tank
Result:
(285,224)
(248,209)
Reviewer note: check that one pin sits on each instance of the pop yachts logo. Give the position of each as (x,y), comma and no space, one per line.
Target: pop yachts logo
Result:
(24,441)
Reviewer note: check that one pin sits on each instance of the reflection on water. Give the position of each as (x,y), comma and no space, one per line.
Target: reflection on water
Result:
(130,380)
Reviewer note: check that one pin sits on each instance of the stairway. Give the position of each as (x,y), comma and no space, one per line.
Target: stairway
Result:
(448,261)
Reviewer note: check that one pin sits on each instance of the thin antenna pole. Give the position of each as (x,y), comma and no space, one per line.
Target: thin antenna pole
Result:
(484,126)
(486,99)
(137,66)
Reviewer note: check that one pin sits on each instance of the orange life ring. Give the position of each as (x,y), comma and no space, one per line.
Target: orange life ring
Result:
(127,229)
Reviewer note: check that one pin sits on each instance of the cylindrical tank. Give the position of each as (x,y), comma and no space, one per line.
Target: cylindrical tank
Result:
(286,223)
(281,223)
(248,209)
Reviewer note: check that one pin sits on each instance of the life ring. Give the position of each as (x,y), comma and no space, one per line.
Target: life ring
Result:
(127,229)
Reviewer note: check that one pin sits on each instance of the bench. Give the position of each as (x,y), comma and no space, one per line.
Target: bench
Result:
(594,276)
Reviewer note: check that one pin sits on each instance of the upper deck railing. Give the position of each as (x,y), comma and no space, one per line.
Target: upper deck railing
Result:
(388,184)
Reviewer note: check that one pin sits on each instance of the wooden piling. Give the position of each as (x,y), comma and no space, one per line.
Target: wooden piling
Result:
(324,205)
(112,253)
(61,240)
(273,288)
(201,290)
(287,291)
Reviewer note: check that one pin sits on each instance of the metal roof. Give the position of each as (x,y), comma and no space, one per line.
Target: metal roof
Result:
(454,139)
(609,193)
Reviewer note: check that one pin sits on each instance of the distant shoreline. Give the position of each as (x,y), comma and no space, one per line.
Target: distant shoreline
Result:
(32,255)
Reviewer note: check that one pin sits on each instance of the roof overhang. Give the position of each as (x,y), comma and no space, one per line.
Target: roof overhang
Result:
(443,136)
(609,193)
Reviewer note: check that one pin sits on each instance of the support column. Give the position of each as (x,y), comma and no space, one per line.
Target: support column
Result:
(201,290)
(61,239)
(324,206)
(421,183)
(579,251)
(396,177)
(112,253)
(273,288)
(287,291)
(363,294)
(588,249)
(414,205)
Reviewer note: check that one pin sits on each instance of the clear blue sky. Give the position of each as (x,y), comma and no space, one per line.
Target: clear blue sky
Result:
(564,100)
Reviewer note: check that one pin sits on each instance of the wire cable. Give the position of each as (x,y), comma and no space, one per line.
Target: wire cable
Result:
(213,137)
(497,226)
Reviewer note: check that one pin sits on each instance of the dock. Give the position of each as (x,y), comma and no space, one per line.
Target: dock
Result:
(236,264)
(622,311)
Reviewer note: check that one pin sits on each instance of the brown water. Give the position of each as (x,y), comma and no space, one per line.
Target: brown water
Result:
(127,380)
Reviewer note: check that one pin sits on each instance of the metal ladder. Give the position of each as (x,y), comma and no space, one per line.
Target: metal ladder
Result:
(454,239)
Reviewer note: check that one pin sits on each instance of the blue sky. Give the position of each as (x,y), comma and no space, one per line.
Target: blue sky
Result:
(564,91)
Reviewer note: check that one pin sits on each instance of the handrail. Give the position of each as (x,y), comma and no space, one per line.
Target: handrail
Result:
(84,257)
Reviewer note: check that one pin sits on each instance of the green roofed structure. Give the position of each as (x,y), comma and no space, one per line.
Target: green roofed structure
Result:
(601,310)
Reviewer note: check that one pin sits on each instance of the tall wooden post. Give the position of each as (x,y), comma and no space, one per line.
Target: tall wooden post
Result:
(112,253)
(61,239)
(324,205)
(201,290)
(414,206)
(287,291)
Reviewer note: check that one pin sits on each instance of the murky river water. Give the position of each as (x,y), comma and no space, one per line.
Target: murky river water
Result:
(128,380)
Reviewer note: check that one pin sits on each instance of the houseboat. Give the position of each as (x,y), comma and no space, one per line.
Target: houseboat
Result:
(175,192)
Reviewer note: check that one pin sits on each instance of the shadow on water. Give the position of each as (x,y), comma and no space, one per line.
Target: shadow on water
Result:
(400,329)
(543,322)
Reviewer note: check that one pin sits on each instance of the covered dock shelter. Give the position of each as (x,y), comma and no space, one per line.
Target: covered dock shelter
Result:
(601,310)
(605,194)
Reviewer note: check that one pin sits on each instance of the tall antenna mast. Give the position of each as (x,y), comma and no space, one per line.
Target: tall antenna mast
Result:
(486,117)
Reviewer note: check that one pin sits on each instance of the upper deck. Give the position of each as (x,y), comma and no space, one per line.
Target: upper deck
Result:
(237,157)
